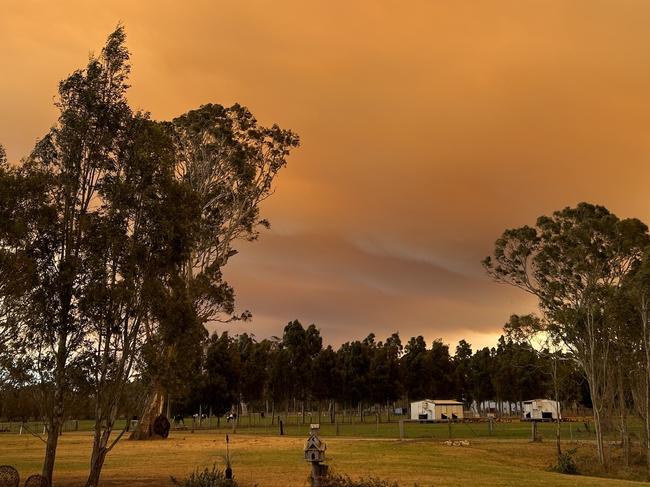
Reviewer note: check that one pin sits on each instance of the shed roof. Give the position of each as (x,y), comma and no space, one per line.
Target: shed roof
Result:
(442,402)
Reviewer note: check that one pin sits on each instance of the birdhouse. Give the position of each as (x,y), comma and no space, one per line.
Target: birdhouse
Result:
(315,447)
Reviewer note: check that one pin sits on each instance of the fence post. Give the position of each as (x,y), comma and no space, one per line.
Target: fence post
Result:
(401,429)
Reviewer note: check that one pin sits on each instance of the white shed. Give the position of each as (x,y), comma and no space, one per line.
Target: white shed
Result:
(436,410)
(541,409)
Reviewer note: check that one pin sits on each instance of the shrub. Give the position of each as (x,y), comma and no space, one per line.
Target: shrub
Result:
(336,480)
(566,463)
(206,478)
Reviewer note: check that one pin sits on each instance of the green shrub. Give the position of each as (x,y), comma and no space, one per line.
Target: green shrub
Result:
(566,464)
(206,478)
(336,480)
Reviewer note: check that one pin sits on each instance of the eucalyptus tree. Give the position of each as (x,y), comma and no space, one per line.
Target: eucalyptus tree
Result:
(325,380)
(417,369)
(354,365)
(462,372)
(229,161)
(70,163)
(14,264)
(139,237)
(254,359)
(637,292)
(385,372)
(571,262)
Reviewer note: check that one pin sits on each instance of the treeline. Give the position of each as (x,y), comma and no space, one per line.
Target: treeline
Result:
(295,373)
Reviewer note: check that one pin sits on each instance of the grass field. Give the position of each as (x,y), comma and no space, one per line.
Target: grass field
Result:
(369,429)
(276,461)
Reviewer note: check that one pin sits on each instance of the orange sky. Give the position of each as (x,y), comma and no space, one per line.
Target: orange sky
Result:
(425,132)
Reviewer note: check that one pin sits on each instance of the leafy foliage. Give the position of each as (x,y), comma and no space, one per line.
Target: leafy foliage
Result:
(566,463)
(208,477)
(338,480)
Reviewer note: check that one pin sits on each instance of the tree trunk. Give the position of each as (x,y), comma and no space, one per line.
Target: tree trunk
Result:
(647,417)
(98,456)
(625,435)
(96,464)
(646,346)
(55,421)
(152,409)
(599,436)
(54,427)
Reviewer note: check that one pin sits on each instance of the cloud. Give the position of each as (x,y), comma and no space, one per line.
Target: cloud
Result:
(426,131)
(349,291)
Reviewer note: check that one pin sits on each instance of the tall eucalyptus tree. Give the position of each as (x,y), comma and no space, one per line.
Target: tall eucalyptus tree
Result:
(572,261)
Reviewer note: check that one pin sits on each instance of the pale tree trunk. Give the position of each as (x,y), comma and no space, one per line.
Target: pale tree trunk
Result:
(645,316)
(625,435)
(596,379)
(101,447)
(152,409)
(647,413)
(556,390)
(55,421)
(596,403)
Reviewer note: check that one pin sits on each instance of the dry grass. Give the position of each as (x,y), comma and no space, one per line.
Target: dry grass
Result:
(277,461)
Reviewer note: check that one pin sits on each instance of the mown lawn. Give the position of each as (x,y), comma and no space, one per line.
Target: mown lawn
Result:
(277,461)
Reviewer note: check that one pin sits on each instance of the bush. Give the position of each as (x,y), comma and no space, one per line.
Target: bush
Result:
(566,464)
(335,480)
(207,478)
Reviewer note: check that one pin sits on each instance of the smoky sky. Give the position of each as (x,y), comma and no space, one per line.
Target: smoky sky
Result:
(427,128)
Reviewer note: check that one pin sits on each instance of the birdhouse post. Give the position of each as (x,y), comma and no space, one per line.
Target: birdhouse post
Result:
(315,454)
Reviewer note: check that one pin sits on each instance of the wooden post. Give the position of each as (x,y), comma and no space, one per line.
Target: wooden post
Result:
(281,428)
(401,429)
(337,427)
(315,474)
(533,430)
(490,425)
(449,425)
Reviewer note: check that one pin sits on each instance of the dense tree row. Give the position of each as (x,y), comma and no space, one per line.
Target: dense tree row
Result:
(296,373)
